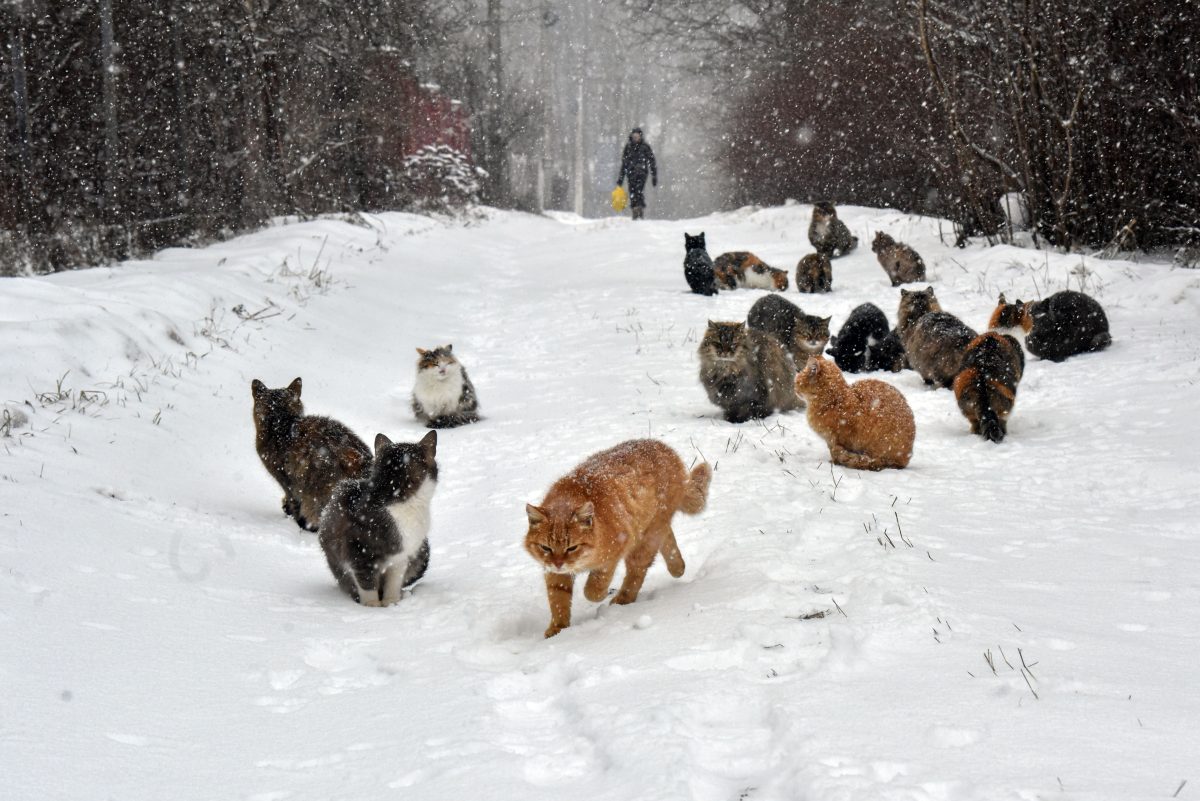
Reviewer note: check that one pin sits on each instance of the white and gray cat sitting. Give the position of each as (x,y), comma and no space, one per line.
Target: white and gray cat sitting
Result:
(444,396)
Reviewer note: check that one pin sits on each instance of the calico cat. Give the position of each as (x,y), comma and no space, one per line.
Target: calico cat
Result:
(375,530)
(1009,317)
(864,342)
(1066,324)
(867,425)
(746,372)
(742,269)
(615,506)
(307,455)
(444,396)
(986,389)
(828,234)
(698,265)
(802,335)
(902,264)
(814,273)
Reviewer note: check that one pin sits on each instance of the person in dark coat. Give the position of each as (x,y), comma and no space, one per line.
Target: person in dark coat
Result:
(637,161)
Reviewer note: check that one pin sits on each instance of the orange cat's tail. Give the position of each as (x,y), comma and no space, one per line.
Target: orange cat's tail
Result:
(695,495)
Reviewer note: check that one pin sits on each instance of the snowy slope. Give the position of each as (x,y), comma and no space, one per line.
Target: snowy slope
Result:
(168,633)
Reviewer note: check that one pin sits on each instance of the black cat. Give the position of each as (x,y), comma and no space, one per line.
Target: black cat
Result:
(375,530)
(1066,324)
(865,343)
(698,266)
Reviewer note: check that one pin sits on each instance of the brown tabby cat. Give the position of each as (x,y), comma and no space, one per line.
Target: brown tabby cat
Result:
(742,269)
(915,304)
(867,425)
(986,389)
(935,346)
(827,233)
(802,335)
(814,273)
(746,372)
(934,341)
(615,506)
(902,264)
(307,455)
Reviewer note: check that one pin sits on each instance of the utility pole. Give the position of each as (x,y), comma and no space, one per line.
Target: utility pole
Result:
(497,159)
(547,20)
(580,178)
(21,98)
(108,76)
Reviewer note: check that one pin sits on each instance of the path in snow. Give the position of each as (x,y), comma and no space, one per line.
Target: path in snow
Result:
(168,631)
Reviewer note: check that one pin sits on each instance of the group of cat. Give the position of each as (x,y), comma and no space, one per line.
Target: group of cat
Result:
(371,509)
(830,238)
(775,360)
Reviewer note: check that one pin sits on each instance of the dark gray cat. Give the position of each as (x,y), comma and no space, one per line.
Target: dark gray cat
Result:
(1066,324)
(375,530)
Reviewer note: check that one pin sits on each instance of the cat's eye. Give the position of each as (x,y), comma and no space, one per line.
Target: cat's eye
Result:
(572,548)
(546,548)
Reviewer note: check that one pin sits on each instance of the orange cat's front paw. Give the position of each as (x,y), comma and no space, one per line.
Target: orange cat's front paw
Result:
(552,630)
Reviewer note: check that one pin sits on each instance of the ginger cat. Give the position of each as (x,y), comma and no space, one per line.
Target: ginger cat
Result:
(868,425)
(617,505)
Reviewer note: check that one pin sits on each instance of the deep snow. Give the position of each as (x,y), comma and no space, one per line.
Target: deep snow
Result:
(168,633)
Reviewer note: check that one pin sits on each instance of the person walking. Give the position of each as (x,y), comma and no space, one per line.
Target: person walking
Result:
(637,160)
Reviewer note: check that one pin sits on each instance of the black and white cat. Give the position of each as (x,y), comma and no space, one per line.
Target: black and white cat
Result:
(444,396)
(865,343)
(375,530)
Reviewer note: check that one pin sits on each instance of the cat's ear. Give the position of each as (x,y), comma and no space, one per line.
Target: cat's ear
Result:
(449,349)
(904,293)
(535,515)
(381,441)
(585,515)
(422,351)
(428,445)
(1002,301)
(257,388)
(826,320)
(295,387)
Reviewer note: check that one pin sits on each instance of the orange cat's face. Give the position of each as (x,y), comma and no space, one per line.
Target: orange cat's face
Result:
(817,372)
(561,542)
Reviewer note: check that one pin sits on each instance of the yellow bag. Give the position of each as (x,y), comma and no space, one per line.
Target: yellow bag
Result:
(619,199)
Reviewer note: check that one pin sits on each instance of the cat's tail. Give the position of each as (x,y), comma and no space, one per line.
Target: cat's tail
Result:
(1101,341)
(990,427)
(695,494)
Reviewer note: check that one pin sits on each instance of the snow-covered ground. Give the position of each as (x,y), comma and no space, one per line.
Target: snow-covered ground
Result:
(996,622)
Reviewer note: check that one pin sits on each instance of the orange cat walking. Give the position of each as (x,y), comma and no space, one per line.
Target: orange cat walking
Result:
(868,425)
(615,506)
